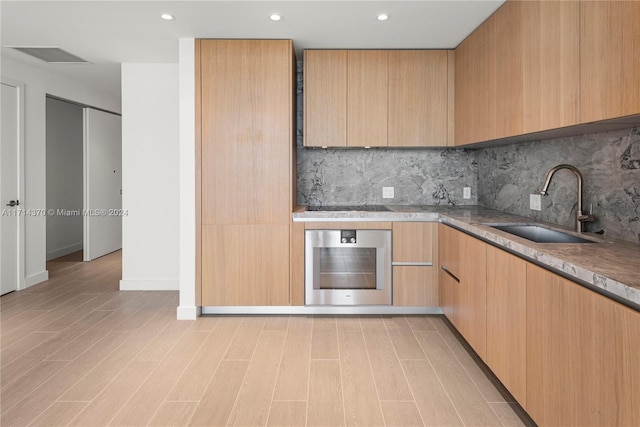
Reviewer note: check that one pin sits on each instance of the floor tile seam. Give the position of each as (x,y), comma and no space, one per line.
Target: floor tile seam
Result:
(222,359)
(148,376)
(439,377)
(465,370)
(49,379)
(184,369)
(131,361)
(4,362)
(275,382)
(395,350)
(27,373)
(344,405)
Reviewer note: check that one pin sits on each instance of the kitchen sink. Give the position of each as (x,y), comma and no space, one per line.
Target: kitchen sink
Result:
(538,234)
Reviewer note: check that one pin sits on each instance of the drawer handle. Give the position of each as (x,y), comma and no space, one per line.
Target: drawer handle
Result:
(453,276)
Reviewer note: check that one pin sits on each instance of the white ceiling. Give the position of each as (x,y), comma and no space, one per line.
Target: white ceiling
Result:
(108,33)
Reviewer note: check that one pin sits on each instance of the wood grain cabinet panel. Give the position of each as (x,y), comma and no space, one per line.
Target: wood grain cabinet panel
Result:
(609,59)
(518,72)
(367,97)
(325,98)
(245,91)
(245,265)
(506,320)
(418,97)
(551,64)
(582,355)
(464,289)
(415,242)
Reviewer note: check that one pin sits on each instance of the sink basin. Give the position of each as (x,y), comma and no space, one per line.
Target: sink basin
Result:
(538,234)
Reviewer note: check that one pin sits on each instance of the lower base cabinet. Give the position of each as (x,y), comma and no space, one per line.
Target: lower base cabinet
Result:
(583,355)
(570,356)
(507,321)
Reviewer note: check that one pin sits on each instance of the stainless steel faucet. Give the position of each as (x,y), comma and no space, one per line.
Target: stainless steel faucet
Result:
(581,217)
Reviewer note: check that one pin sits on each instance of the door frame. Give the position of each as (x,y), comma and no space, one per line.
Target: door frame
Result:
(21,249)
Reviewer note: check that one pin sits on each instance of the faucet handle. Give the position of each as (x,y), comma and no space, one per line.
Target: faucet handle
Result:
(590,217)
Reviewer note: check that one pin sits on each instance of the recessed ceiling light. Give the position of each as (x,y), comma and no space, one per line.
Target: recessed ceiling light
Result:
(382,17)
(167,17)
(275,17)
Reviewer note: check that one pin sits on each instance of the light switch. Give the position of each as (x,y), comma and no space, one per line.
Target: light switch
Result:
(388,193)
(466,193)
(535,202)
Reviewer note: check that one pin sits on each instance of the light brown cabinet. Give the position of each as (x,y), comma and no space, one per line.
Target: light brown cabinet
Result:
(367,97)
(245,142)
(518,72)
(609,59)
(463,284)
(325,98)
(377,98)
(583,355)
(414,264)
(507,320)
(419,87)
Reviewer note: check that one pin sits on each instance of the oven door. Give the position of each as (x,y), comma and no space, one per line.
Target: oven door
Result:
(348,267)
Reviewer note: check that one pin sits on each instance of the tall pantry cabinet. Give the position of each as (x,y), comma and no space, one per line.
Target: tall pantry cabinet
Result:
(245,182)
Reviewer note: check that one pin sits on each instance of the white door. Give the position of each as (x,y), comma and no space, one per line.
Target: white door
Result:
(11,215)
(102,183)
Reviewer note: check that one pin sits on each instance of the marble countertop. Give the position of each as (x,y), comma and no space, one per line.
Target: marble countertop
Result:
(609,265)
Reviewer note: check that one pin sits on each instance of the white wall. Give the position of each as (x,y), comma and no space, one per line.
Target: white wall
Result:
(38,83)
(64,176)
(187,309)
(150,177)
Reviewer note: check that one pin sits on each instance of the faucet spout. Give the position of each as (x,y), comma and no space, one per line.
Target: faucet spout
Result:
(580,217)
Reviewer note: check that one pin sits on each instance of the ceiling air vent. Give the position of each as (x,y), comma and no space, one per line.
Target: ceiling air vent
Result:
(52,55)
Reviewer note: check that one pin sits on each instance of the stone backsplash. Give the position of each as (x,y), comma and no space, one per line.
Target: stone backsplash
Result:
(608,161)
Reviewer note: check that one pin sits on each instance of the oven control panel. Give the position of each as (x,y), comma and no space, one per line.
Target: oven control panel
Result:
(348,236)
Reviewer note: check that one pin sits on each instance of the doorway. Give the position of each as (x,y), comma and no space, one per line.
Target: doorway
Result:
(84,181)
(11,186)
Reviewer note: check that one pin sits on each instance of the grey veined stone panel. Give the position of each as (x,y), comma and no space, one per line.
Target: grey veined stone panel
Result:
(609,162)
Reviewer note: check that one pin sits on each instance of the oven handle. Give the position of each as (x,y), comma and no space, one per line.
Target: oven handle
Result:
(446,270)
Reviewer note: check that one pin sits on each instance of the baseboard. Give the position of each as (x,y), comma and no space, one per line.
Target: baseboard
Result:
(327,309)
(57,253)
(188,312)
(150,285)
(34,279)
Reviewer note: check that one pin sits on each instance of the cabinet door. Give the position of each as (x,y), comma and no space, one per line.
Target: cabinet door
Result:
(474,86)
(418,83)
(245,265)
(448,274)
(550,59)
(367,97)
(415,285)
(609,59)
(246,129)
(506,320)
(472,310)
(325,98)
(582,355)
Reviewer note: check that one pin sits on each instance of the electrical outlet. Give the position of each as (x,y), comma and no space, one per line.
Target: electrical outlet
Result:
(387,193)
(535,202)
(466,193)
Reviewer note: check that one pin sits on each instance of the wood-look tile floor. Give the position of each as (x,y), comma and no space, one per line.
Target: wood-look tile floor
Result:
(76,351)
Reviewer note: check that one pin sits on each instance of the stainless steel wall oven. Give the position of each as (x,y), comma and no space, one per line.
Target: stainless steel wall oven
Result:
(348,267)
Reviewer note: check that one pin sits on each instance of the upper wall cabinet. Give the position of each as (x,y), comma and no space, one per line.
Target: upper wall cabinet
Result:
(325,98)
(377,98)
(609,59)
(518,72)
(418,97)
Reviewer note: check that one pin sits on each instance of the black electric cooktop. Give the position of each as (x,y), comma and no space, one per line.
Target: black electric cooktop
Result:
(362,208)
